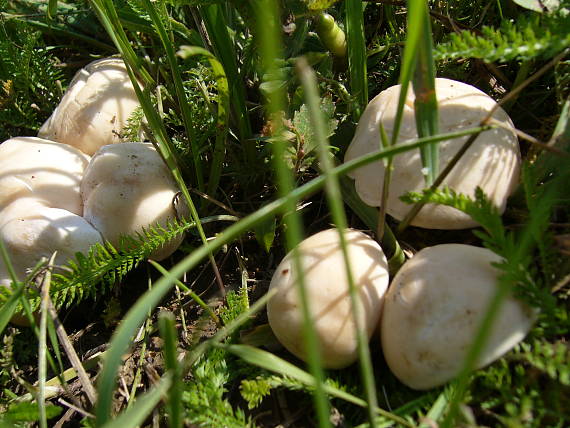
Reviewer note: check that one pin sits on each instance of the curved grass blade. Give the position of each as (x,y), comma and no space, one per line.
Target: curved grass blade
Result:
(167,328)
(268,33)
(275,364)
(224,49)
(223,113)
(122,337)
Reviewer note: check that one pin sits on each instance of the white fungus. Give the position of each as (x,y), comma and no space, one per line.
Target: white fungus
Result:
(492,162)
(127,188)
(434,308)
(328,294)
(95,107)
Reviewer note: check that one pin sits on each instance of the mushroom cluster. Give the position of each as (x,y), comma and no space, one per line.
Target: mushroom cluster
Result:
(55,197)
(436,303)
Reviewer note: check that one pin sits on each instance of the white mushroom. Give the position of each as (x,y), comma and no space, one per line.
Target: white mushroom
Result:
(127,188)
(327,291)
(30,230)
(434,308)
(95,107)
(492,162)
(48,171)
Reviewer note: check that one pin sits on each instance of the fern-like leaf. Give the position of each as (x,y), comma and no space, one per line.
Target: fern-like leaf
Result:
(518,266)
(104,265)
(550,358)
(524,39)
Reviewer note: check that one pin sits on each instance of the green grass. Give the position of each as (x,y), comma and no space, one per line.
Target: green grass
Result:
(266,154)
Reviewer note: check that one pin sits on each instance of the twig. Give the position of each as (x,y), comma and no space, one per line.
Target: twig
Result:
(72,355)
(524,136)
(75,408)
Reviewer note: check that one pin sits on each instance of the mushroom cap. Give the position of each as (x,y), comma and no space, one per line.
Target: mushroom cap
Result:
(95,107)
(49,171)
(31,230)
(127,188)
(328,296)
(434,308)
(492,162)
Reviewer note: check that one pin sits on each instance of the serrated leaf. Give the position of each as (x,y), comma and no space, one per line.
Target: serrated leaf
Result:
(302,124)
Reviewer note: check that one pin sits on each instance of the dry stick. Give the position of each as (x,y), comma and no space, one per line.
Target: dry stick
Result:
(75,408)
(524,136)
(42,341)
(72,355)
(419,205)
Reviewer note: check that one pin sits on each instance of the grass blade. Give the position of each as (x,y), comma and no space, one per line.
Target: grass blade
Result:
(168,46)
(222,113)
(273,363)
(224,49)
(268,33)
(42,344)
(335,202)
(167,328)
(425,103)
(356,53)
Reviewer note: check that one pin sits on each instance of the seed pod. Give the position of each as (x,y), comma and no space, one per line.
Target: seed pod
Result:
(331,34)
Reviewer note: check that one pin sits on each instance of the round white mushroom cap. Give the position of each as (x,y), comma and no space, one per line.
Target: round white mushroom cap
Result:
(492,162)
(95,107)
(434,308)
(127,188)
(328,294)
(31,231)
(48,171)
